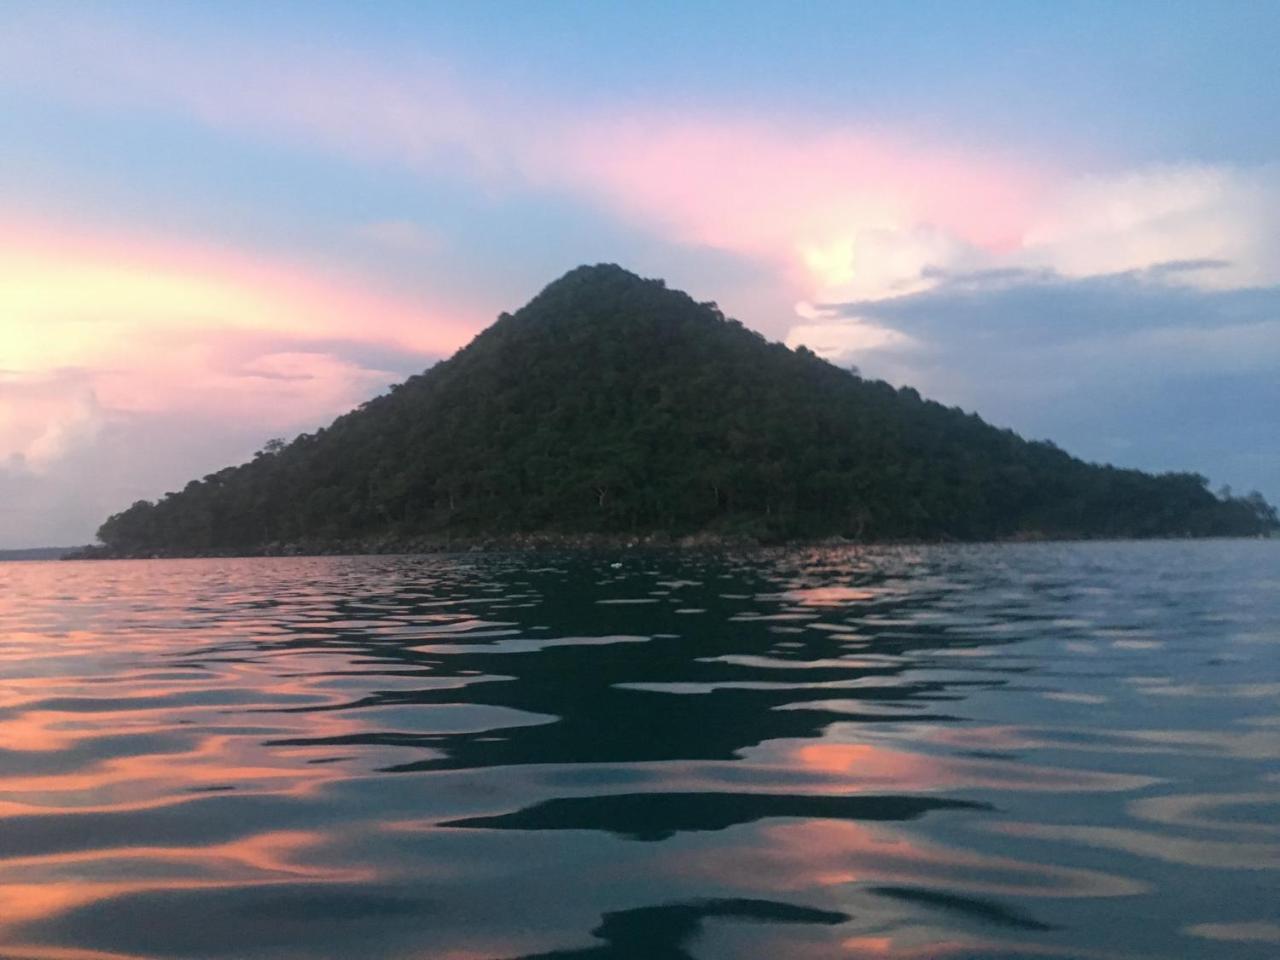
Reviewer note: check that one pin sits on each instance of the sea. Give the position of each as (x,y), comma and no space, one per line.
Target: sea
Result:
(991,751)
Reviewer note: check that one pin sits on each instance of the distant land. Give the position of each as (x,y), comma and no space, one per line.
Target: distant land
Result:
(612,407)
(38,553)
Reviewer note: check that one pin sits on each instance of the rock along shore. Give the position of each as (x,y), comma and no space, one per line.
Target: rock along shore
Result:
(447,544)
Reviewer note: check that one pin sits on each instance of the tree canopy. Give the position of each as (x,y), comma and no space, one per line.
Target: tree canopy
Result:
(611,404)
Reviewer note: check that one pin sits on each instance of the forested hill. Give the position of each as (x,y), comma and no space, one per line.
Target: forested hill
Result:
(610,404)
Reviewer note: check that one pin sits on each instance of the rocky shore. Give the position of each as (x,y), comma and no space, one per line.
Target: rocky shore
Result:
(509,543)
(536,542)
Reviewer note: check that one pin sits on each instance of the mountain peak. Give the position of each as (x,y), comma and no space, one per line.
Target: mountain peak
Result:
(600,273)
(596,282)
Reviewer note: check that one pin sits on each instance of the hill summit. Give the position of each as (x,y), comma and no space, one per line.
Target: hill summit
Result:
(610,404)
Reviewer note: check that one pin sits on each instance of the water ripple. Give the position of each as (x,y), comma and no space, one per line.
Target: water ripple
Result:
(1037,750)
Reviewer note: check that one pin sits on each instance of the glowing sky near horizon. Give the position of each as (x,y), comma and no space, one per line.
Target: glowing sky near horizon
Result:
(227,223)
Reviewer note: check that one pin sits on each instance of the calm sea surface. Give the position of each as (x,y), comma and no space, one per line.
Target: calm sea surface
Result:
(996,752)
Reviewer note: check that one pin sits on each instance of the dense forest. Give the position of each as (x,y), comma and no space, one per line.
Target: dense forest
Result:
(611,404)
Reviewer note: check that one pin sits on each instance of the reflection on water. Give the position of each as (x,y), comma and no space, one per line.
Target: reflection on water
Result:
(1039,750)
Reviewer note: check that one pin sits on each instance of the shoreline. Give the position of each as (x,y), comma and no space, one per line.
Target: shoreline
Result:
(505,543)
(587,543)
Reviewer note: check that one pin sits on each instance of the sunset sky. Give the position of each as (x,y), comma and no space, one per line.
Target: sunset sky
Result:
(227,222)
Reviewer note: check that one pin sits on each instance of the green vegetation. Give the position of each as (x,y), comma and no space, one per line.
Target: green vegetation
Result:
(610,404)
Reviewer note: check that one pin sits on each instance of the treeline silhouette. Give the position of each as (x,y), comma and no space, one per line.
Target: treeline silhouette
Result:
(610,404)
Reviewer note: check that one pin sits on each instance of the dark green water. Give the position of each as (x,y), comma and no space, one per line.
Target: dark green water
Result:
(997,752)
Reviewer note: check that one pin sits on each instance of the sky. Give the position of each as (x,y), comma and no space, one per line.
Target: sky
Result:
(223,223)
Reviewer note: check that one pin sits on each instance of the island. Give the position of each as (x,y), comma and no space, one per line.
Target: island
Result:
(611,406)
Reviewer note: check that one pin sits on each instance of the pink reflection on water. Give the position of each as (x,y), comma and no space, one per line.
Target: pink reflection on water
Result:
(34,888)
(217,752)
(832,596)
(800,856)
(859,767)
(919,945)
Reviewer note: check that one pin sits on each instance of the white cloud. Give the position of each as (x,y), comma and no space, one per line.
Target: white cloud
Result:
(1137,219)
(838,340)
(79,421)
(43,417)
(1188,226)
(871,263)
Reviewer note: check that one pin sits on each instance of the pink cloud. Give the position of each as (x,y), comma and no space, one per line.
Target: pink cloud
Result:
(61,273)
(753,186)
(833,214)
(165,324)
(143,360)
